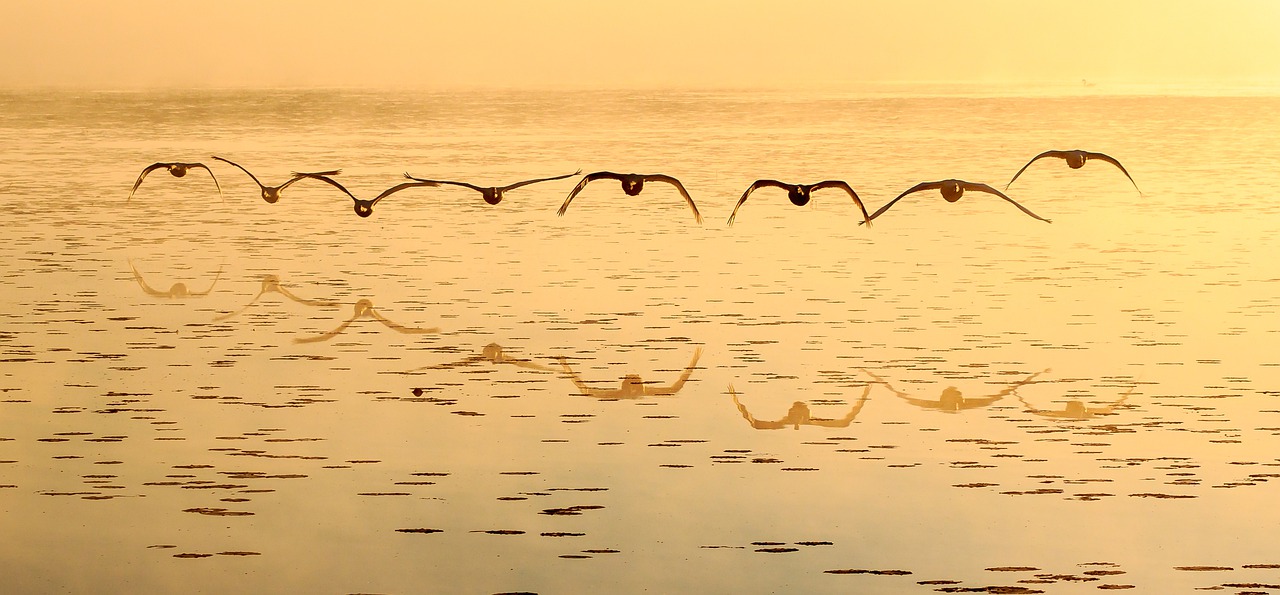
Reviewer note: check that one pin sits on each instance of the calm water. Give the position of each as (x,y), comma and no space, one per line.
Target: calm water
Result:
(233,396)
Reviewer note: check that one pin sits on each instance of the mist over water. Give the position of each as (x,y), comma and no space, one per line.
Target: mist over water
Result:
(220,394)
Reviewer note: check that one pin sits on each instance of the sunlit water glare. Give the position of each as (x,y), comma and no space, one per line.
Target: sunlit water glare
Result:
(225,395)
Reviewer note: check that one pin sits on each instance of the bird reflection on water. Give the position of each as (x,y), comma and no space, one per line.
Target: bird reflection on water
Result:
(177,290)
(952,400)
(492,353)
(271,284)
(633,386)
(799,414)
(364,309)
(1077,410)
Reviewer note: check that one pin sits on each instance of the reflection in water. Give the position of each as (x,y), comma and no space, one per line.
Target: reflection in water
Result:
(952,190)
(951,400)
(177,291)
(800,193)
(1075,160)
(632,386)
(1076,409)
(799,415)
(271,194)
(632,184)
(363,309)
(491,353)
(271,284)
(178,170)
(493,194)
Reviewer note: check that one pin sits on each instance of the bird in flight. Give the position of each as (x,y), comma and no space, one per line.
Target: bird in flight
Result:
(632,184)
(178,170)
(493,194)
(952,190)
(1076,160)
(271,194)
(364,208)
(799,194)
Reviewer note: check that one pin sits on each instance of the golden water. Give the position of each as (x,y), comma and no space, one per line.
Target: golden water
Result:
(234,396)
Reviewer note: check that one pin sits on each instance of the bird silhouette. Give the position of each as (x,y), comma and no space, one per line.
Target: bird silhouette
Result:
(493,194)
(952,190)
(271,194)
(364,208)
(632,184)
(178,170)
(799,194)
(1076,160)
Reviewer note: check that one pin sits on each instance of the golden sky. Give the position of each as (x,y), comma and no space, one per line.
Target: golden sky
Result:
(656,43)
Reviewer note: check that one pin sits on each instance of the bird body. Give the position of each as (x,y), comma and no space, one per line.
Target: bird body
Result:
(1075,160)
(177,169)
(800,194)
(632,185)
(952,190)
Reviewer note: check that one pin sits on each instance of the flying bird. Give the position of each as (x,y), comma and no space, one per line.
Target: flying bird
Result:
(271,194)
(1075,160)
(493,194)
(952,190)
(799,194)
(364,208)
(632,184)
(178,170)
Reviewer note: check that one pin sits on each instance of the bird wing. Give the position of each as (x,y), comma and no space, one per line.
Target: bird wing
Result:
(241,167)
(149,169)
(680,187)
(988,189)
(535,181)
(752,188)
(1112,161)
(587,179)
(326,179)
(326,336)
(842,185)
(399,327)
(143,284)
(449,182)
(206,168)
(916,188)
(399,187)
(301,176)
(1058,154)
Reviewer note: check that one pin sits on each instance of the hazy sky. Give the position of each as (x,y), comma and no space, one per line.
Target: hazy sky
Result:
(700,43)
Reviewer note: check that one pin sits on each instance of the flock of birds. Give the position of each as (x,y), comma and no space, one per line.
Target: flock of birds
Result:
(633,184)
